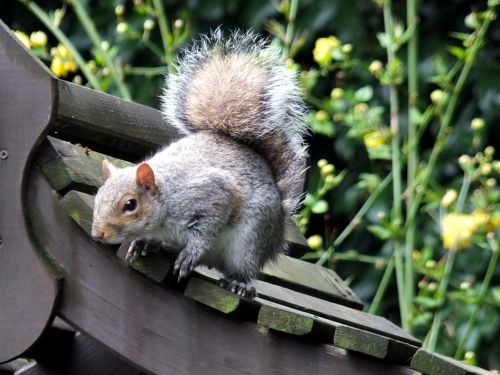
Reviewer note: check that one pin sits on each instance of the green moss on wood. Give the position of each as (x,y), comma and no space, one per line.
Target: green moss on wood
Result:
(285,321)
(212,295)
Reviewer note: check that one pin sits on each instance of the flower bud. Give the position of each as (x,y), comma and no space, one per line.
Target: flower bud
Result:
(119,10)
(121,28)
(464,285)
(477,124)
(315,242)
(430,263)
(337,93)
(347,48)
(465,161)
(322,115)
(449,197)
(327,170)
(322,163)
(105,45)
(178,23)
(38,39)
(437,96)
(489,151)
(149,24)
(375,67)
(485,169)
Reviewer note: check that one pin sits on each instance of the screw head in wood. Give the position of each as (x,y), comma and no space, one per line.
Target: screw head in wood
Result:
(4,154)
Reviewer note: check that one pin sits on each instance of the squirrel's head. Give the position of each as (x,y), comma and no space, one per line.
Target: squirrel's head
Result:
(125,204)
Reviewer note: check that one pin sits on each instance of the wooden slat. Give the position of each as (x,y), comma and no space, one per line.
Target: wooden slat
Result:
(291,321)
(82,356)
(67,166)
(117,125)
(160,329)
(437,364)
(311,279)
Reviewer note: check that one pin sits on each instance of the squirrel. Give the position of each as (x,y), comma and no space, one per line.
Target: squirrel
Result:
(224,191)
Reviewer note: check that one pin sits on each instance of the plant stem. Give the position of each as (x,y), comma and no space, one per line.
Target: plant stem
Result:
(482,295)
(164,31)
(355,220)
(433,334)
(377,299)
(397,218)
(445,122)
(61,37)
(91,31)
(152,71)
(290,28)
(412,163)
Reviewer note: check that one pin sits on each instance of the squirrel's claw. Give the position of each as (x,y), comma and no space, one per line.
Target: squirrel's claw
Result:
(240,288)
(137,247)
(184,264)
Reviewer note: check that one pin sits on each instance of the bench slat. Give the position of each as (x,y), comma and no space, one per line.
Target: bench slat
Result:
(437,364)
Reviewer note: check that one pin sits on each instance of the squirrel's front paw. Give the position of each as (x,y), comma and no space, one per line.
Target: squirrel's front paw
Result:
(185,263)
(141,246)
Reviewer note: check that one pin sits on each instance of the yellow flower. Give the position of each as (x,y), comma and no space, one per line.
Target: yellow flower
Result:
(57,67)
(374,139)
(323,47)
(494,222)
(449,197)
(63,61)
(321,115)
(38,39)
(457,229)
(23,38)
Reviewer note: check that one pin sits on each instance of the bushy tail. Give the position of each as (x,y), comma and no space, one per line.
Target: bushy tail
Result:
(240,86)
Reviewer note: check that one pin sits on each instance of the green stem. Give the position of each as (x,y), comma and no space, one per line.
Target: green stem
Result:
(445,123)
(396,165)
(482,295)
(91,31)
(412,162)
(433,334)
(355,220)
(290,29)
(382,287)
(164,31)
(151,71)
(61,37)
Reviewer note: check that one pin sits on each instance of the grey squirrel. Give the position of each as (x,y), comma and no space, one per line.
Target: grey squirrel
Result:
(224,192)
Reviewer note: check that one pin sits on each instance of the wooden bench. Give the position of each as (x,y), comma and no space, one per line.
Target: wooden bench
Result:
(53,138)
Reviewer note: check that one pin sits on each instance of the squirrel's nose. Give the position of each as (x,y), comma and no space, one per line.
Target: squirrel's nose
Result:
(97,234)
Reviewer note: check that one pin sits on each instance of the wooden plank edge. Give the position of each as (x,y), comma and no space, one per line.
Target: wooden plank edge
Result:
(438,364)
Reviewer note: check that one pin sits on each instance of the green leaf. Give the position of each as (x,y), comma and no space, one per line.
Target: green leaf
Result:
(428,302)
(381,232)
(383,39)
(364,94)
(382,152)
(320,207)
(458,52)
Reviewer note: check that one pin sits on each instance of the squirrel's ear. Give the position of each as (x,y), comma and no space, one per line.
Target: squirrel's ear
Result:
(107,169)
(145,177)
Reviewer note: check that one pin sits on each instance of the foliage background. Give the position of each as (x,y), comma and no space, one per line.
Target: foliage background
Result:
(355,22)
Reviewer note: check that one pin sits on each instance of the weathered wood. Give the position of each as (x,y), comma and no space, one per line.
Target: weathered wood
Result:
(211,295)
(325,309)
(437,364)
(82,356)
(107,122)
(79,207)
(158,328)
(155,266)
(311,279)
(67,166)
(27,287)
(365,342)
(284,320)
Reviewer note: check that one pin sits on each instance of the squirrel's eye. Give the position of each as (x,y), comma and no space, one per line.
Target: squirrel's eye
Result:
(130,205)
